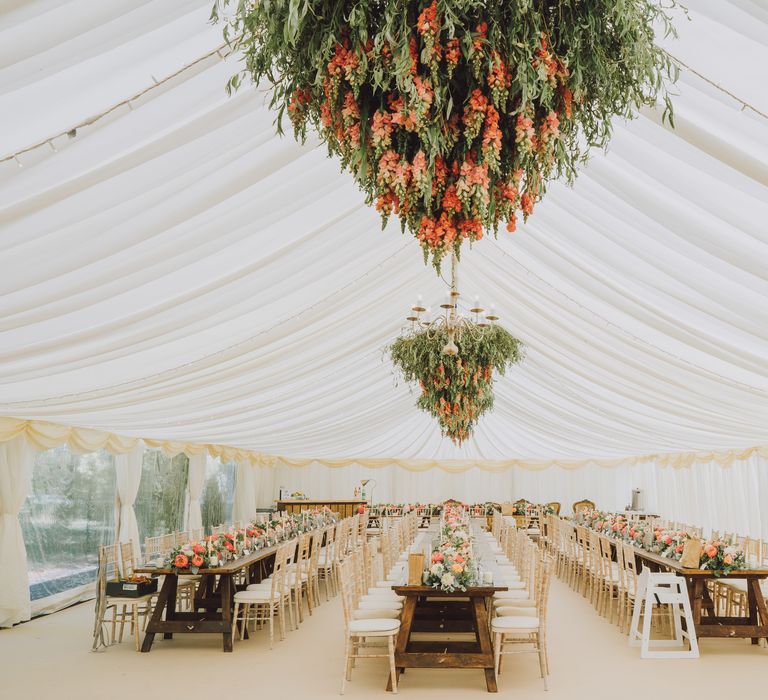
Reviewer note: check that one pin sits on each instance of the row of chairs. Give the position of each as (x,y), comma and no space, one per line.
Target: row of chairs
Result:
(371,609)
(584,560)
(519,620)
(118,562)
(158,547)
(301,566)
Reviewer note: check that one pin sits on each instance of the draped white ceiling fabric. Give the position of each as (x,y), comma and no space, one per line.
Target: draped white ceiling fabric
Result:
(176,271)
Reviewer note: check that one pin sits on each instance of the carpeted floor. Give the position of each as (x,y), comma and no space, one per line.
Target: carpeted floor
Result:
(589,658)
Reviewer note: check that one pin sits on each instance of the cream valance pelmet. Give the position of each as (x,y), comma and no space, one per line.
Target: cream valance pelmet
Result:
(44,435)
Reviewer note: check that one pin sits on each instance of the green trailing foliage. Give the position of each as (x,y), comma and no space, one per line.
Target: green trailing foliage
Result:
(453,114)
(458,389)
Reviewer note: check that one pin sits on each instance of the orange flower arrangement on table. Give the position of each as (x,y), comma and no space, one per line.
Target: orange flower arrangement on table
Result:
(716,555)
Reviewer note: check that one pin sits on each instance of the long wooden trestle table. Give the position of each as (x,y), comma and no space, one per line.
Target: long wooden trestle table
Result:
(427,609)
(752,626)
(213,603)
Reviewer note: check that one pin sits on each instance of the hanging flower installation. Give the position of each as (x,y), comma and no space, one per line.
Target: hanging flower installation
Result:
(453,114)
(453,358)
(455,389)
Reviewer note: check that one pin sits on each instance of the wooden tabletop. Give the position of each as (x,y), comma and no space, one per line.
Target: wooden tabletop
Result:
(319,501)
(230,567)
(677,567)
(471,592)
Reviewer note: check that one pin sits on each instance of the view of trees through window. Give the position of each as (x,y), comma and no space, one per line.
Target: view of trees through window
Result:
(69,512)
(160,501)
(218,493)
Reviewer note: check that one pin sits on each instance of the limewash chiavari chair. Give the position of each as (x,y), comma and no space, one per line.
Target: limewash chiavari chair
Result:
(582,552)
(155,548)
(362,526)
(366,605)
(629,575)
(370,595)
(313,570)
(731,594)
(521,587)
(298,576)
(609,580)
(326,561)
(591,565)
(168,542)
(522,630)
(571,545)
(266,599)
(123,609)
(360,634)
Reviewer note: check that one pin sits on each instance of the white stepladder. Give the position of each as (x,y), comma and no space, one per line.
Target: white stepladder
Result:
(663,589)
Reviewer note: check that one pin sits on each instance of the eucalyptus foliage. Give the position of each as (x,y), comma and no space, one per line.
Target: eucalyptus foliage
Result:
(453,114)
(458,389)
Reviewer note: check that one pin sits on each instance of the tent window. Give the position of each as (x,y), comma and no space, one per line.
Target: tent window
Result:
(160,501)
(218,494)
(69,512)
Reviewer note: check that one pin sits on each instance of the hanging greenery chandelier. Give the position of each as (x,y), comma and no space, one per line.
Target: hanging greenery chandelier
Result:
(453,114)
(453,357)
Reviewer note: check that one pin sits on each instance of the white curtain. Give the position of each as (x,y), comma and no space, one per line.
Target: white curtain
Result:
(16,462)
(127,480)
(726,499)
(395,485)
(195,482)
(244,507)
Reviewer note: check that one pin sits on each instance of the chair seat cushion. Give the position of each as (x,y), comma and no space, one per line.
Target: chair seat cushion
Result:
(515,594)
(366,614)
(514,585)
(113,600)
(518,609)
(372,603)
(374,625)
(520,594)
(522,601)
(385,592)
(252,597)
(515,623)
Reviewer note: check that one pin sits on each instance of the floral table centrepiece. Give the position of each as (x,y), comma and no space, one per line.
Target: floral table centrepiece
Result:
(717,556)
(452,566)
(453,114)
(455,389)
(722,557)
(217,549)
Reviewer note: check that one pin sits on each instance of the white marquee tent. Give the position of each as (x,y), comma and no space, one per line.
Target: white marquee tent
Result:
(175,272)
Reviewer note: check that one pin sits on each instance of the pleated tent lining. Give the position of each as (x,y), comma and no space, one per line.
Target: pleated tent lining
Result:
(43,436)
(178,272)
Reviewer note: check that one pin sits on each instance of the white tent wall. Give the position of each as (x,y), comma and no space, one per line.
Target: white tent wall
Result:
(727,499)
(393,484)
